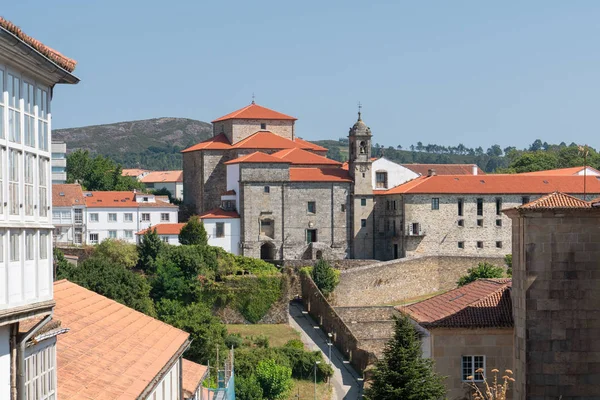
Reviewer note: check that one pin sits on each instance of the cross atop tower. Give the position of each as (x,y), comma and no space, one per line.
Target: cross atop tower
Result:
(253,98)
(359,110)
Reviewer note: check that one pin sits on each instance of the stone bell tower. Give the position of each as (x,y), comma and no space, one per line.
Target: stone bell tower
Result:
(362,201)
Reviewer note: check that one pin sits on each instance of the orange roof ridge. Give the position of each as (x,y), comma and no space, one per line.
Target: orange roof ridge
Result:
(64,62)
(217,142)
(556,200)
(163,176)
(164,229)
(560,171)
(254,111)
(219,213)
(299,156)
(305,144)
(315,174)
(256,157)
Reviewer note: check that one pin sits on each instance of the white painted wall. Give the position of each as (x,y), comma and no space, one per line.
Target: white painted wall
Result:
(176,188)
(168,388)
(397,174)
(5,362)
(171,239)
(231,239)
(233,181)
(42,373)
(588,171)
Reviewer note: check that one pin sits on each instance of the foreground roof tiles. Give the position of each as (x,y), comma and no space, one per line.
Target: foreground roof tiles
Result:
(299,156)
(319,175)
(163,176)
(219,213)
(254,111)
(444,169)
(164,229)
(257,157)
(555,201)
(111,351)
(485,303)
(192,377)
(67,195)
(64,62)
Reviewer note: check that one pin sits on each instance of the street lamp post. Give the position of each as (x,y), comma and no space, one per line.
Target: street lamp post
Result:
(316,362)
(329,344)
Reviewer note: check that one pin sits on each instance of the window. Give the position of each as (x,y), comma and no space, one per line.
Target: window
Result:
(14,108)
(2,232)
(461,222)
(394,227)
(164,217)
(524,199)
(165,239)
(220,229)
(93,217)
(43,186)
(145,199)
(343,208)
(145,217)
(29,246)
(93,238)
(267,228)
(498,222)
(128,217)
(363,202)
(363,223)
(1,105)
(267,189)
(78,215)
(29,162)
(40,372)
(470,365)
(394,204)
(43,246)
(13,179)
(14,247)
(311,235)
(415,228)
(479,222)
(381,180)
(41,101)
(312,207)
(460,207)
(29,118)
(263,126)
(112,234)
(78,237)
(498,206)
(435,203)
(480,207)
(128,234)
(498,244)
(461,245)
(112,217)
(480,245)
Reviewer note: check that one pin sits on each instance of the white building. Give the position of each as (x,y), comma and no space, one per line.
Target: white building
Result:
(59,162)
(68,214)
(29,72)
(170,180)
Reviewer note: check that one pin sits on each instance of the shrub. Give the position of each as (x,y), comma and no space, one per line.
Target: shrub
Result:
(508,261)
(261,341)
(248,388)
(148,249)
(274,379)
(325,277)
(193,232)
(303,363)
(118,252)
(495,390)
(255,266)
(295,344)
(233,340)
(483,270)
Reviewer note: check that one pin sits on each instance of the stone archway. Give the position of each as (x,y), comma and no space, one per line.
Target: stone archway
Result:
(267,251)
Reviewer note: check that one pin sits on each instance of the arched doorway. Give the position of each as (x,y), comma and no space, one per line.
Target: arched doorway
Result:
(267,251)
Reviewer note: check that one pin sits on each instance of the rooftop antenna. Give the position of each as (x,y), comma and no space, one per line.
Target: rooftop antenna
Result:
(253,102)
(584,151)
(359,111)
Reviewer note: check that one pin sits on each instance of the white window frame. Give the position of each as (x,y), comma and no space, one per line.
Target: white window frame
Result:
(40,371)
(165,217)
(42,108)
(94,217)
(112,234)
(28,181)
(128,234)
(29,123)
(14,108)
(110,215)
(465,373)
(30,246)
(91,237)
(15,246)
(222,225)
(43,186)
(14,159)
(128,217)
(145,217)
(165,239)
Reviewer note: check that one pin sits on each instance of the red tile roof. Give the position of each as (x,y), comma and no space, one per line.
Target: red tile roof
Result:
(299,156)
(495,184)
(163,176)
(229,193)
(485,303)
(64,62)
(257,157)
(164,229)
(254,111)
(219,213)
(120,199)
(111,351)
(444,169)
(67,195)
(319,175)
(561,171)
(304,144)
(192,377)
(556,200)
(265,140)
(135,172)
(219,142)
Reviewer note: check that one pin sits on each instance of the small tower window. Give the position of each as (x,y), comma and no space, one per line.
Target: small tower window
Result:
(363,147)
(263,126)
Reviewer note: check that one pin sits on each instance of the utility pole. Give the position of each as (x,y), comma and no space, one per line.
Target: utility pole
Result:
(316,362)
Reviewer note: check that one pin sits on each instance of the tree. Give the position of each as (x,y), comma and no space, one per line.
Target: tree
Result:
(98,173)
(193,232)
(325,277)
(274,379)
(148,249)
(63,268)
(403,373)
(494,151)
(536,145)
(534,161)
(169,283)
(508,261)
(483,270)
(248,388)
(118,252)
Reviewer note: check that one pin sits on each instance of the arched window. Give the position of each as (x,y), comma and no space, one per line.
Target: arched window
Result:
(363,147)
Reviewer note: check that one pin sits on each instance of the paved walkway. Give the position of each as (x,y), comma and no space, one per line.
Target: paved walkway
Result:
(345,381)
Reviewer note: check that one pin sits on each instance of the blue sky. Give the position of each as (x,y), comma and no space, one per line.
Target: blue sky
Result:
(438,72)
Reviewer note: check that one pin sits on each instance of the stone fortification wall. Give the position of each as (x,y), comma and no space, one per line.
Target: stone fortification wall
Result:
(355,314)
(392,281)
(342,265)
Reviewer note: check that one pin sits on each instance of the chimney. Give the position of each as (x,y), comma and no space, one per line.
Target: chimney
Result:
(474,169)
(431,172)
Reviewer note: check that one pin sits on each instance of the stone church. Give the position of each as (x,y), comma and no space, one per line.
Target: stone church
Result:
(292,202)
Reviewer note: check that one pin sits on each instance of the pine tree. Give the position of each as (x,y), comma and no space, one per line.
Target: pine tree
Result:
(193,232)
(403,373)
(148,249)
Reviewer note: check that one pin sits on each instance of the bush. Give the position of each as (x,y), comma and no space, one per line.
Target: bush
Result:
(508,261)
(483,270)
(118,252)
(248,388)
(262,341)
(255,266)
(148,249)
(234,340)
(303,362)
(274,379)
(295,344)
(325,277)
(193,232)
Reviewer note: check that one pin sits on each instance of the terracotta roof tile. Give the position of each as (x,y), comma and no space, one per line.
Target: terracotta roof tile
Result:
(64,62)
(164,229)
(556,200)
(111,351)
(304,144)
(299,156)
(254,111)
(192,377)
(163,176)
(134,172)
(485,303)
(561,171)
(110,199)
(265,140)
(257,157)
(67,195)
(219,213)
(319,175)
(444,169)
(218,142)
(496,184)
(229,193)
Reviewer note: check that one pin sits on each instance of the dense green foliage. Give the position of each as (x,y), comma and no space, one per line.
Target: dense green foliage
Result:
(193,232)
(483,270)
(98,173)
(148,249)
(508,261)
(274,379)
(248,388)
(403,373)
(118,252)
(325,277)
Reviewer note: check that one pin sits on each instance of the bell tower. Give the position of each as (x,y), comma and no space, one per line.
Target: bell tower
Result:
(362,199)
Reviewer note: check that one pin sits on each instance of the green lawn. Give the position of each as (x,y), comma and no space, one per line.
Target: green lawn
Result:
(278,334)
(307,390)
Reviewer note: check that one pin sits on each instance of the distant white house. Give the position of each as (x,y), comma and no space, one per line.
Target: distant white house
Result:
(170,180)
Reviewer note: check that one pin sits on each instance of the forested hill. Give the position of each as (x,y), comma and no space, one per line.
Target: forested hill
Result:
(152,143)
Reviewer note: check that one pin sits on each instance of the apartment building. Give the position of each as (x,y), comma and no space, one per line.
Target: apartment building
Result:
(68,214)
(29,72)
(59,162)
(169,180)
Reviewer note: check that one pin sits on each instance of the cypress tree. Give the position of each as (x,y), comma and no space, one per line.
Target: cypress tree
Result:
(193,232)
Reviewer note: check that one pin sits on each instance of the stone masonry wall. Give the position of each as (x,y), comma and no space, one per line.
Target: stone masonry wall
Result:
(192,181)
(243,128)
(388,232)
(391,281)
(215,178)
